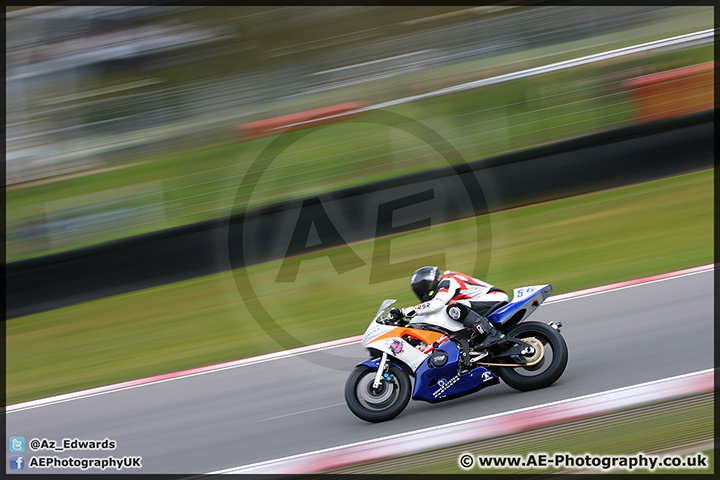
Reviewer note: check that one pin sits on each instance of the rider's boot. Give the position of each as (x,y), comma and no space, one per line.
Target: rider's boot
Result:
(492,335)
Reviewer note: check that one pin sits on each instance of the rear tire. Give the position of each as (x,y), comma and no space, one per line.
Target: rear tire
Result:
(550,368)
(382,404)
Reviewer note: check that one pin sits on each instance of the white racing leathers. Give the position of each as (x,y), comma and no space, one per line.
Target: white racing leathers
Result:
(455,287)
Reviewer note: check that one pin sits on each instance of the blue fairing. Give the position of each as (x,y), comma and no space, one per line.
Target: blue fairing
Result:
(502,314)
(374,363)
(434,384)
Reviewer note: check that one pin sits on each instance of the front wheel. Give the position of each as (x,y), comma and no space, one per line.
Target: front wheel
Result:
(550,367)
(383,403)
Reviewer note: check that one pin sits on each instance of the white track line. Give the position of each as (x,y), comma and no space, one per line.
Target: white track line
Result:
(301,412)
(314,348)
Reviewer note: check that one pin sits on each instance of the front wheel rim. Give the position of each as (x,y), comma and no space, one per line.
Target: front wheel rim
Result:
(376,399)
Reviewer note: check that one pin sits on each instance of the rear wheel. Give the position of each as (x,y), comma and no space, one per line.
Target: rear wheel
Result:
(548,369)
(381,404)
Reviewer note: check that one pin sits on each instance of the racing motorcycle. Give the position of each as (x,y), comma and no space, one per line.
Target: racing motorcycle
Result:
(438,351)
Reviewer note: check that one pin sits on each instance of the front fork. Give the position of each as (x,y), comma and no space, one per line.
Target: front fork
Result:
(380,371)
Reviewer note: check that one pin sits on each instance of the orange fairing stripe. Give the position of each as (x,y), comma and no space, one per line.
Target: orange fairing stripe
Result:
(426,336)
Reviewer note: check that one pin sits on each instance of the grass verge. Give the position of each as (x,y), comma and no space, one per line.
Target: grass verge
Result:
(572,243)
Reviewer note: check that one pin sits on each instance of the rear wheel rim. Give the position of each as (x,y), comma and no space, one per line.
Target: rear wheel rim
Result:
(545,363)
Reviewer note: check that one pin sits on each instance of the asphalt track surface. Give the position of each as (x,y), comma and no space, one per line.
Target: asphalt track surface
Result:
(288,406)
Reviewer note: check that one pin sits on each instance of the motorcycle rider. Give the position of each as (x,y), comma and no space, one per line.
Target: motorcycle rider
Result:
(467,300)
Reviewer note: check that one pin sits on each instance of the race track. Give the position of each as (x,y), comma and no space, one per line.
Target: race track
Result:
(287,406)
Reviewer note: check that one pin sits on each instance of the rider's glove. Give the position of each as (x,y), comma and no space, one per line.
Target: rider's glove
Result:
(409,312)
(397,315)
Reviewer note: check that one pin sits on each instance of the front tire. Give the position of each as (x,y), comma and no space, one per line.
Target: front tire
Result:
(550,367)
(382,404)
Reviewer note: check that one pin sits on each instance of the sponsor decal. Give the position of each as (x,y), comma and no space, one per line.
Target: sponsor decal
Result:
(454,313)
(444,385)
(486,376)
(396,346)
(371,332)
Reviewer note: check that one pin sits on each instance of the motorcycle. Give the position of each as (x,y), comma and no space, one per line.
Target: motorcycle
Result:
(438,351)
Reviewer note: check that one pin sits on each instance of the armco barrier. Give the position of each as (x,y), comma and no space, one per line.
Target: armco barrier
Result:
(294,121)
(609,159)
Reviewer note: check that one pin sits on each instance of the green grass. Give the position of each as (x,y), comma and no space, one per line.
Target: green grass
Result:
(572,243)
(479,123)
(672,428)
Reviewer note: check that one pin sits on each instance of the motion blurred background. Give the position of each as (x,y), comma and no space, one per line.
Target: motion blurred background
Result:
(122,121)
(125,120)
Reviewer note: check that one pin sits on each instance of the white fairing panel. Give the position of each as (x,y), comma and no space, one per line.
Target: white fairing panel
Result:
(393,346)
(400,349)
(375,330)
(524,293)
(438,319)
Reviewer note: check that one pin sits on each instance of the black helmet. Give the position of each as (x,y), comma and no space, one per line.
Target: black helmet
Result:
(424,282)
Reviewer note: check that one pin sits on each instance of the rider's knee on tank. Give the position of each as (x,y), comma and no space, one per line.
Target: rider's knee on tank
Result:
(458,312)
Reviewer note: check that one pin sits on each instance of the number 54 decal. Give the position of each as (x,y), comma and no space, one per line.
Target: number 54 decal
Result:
(528,290)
